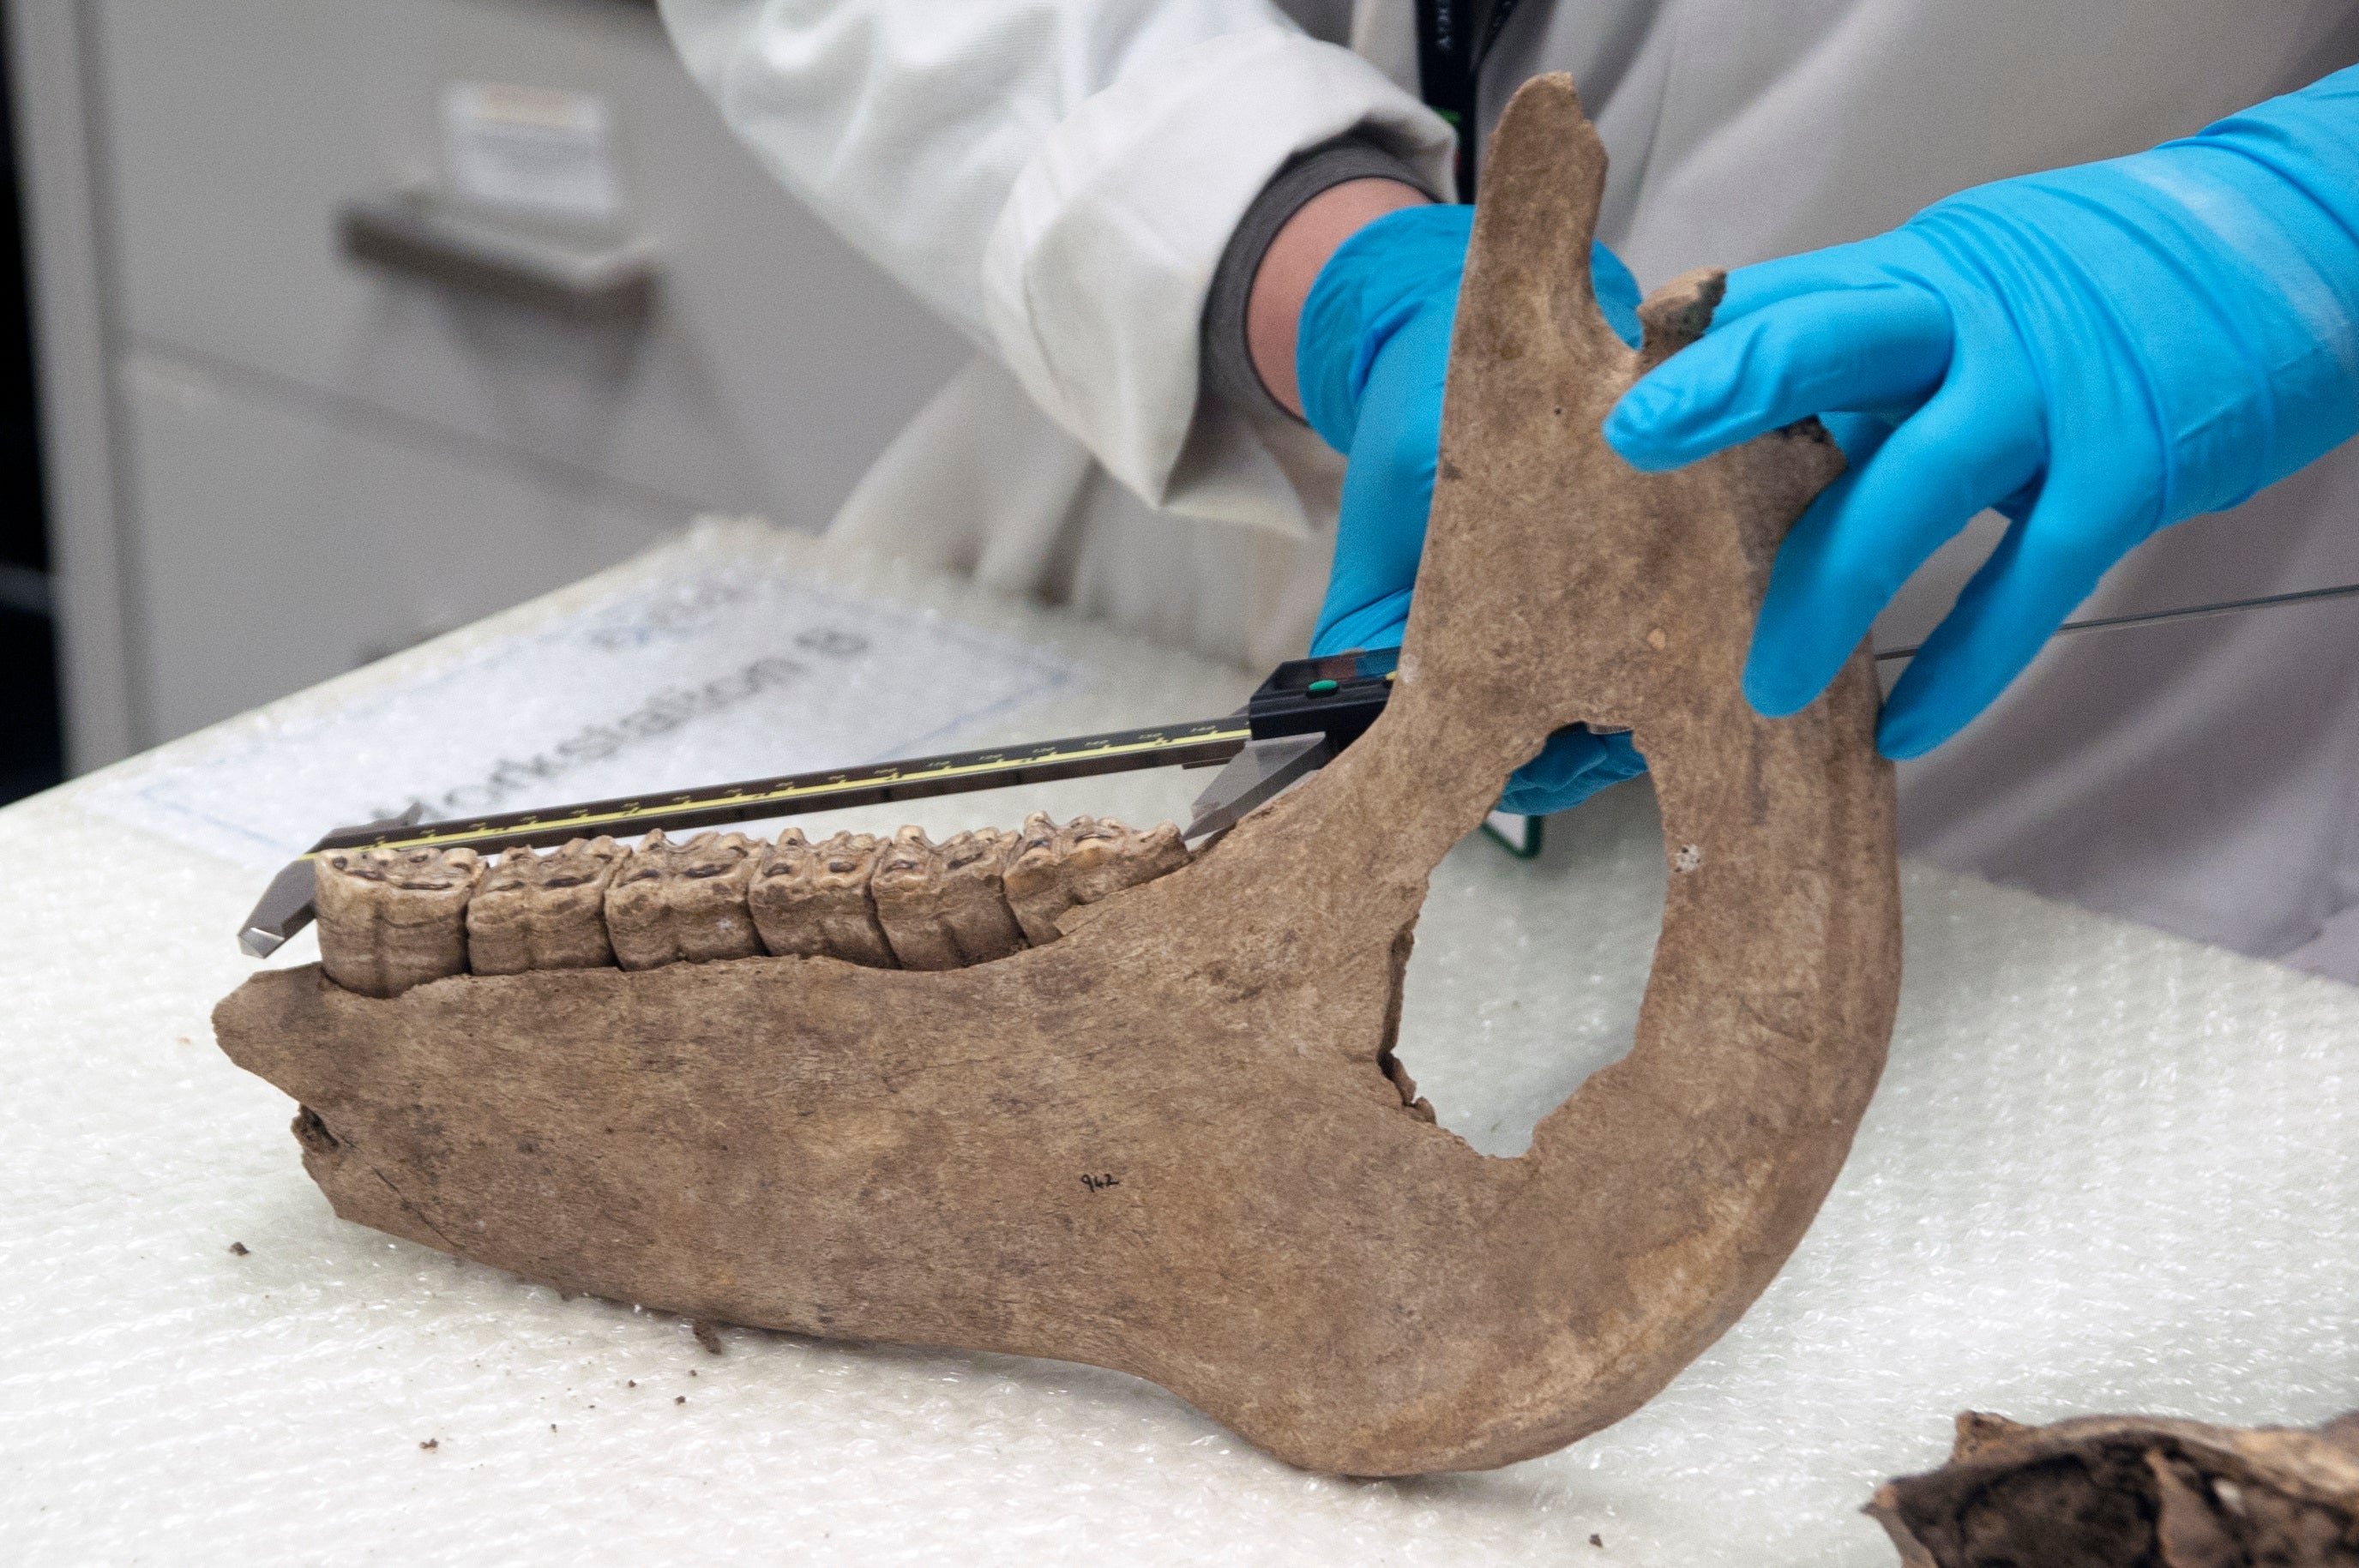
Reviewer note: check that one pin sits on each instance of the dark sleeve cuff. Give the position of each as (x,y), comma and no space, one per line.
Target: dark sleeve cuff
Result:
(1228,361)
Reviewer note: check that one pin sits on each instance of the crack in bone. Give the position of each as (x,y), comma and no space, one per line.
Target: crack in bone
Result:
(543,912)
(391,919)
(672,903)
(812,900)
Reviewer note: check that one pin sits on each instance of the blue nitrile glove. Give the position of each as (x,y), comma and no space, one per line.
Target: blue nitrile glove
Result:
(2097,353)
(1372,351)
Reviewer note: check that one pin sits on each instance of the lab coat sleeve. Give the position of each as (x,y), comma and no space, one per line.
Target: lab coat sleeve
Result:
(1055,179)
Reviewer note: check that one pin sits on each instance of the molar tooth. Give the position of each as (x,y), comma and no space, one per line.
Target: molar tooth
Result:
(671,901)
(813,899)
(974,901)
(1089,843)
(1118,857)
(391,919)
(906,884)
(1057,872)
(1034,879)
(543,912)
(943,906)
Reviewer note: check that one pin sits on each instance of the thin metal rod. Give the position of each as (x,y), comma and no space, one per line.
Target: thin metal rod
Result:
(2188,613)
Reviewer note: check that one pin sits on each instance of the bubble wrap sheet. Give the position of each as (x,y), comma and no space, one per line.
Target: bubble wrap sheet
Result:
(2108,1170)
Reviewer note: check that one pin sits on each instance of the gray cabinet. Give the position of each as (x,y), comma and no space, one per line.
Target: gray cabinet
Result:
(310,458)
(279,546)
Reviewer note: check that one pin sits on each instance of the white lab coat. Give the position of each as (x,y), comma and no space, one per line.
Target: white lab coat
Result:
(1059,179)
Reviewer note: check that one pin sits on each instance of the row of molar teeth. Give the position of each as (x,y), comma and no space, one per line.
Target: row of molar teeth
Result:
(393,919)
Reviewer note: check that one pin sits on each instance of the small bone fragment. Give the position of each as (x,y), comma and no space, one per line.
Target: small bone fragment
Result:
(2118,1491)
(391,919)
(543,912)
(673,902)
(1056,870)
(812,899)
(943,906)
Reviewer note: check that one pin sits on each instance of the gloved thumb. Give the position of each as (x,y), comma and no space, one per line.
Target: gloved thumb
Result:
(1616,291)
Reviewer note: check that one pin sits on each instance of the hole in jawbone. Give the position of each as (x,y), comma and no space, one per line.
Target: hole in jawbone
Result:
(312,1133)
(1527,975)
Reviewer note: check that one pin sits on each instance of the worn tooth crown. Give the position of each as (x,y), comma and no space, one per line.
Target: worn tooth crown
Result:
(543,912)
(1034,879)
(974,895)
(780,898)
(811,900)
(390,919)
(673,903)
(1058,872)
(1089,842)
(907,887)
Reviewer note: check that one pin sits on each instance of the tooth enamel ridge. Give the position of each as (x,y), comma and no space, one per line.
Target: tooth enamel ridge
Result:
(393,919)
(975,902)
(674,902)
(543,912)
(1057,872)
(812,900)
(944,905)
(905,885)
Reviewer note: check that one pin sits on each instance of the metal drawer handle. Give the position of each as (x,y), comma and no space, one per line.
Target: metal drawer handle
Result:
(585,281)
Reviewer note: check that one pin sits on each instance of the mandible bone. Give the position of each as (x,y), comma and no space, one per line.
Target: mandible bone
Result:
(1167,1142)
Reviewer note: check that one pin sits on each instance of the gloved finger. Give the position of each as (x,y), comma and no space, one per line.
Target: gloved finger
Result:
(1846,349)
(1616,291)
(2046,565)
(1861,265)
(1859,436)
(1976,440)
(1574,764)
(1379,625)
(1387,486)
(1382,278)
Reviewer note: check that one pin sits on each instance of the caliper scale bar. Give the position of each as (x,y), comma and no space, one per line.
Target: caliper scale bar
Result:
(1333,699)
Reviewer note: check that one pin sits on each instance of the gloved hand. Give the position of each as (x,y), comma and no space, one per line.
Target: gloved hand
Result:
(2097,353)
(1372,351)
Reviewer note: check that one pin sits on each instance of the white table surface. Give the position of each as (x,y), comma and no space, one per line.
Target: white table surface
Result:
(2108,1169)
